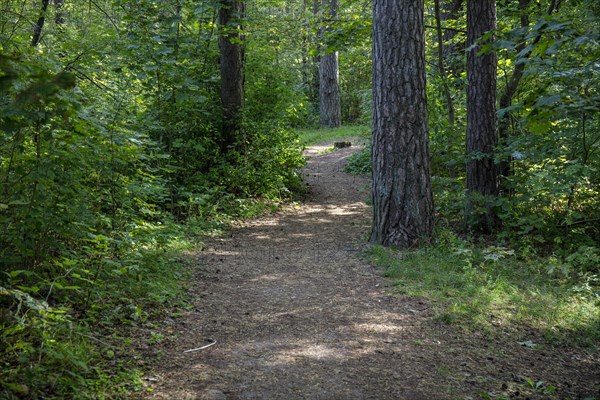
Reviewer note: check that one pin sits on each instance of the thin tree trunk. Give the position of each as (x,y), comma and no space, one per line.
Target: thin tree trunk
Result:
(402,196)
(231,15)
(515,79)
(39,25)
(482,137)
(316,59)
(509,91)
(442,63)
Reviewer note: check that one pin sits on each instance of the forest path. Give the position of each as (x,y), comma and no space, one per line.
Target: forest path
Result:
(297,314)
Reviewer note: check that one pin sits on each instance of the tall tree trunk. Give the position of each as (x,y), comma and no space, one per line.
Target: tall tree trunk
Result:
(39,25)
(402,195)
(482,137)
(231,16)
(330,109)
(305,51)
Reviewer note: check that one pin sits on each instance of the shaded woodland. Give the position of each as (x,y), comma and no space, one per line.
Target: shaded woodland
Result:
(131,130)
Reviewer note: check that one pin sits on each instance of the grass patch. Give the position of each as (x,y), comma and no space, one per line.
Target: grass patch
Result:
(310,137)
(491,288)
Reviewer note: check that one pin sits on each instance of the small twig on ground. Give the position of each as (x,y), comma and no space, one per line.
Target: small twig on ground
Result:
(203,347)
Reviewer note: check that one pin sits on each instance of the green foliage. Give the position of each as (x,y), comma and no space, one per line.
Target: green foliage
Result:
(79,221)
(360,162)
(554,188)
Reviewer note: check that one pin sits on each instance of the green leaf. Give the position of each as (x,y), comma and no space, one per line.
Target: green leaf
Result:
(546,101)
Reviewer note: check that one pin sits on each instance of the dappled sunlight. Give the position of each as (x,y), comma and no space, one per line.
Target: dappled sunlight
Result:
(262,237)
(301,235)
(312,351)
(318,150)
(269,278)
(379,327)
(342,211)
(222,252)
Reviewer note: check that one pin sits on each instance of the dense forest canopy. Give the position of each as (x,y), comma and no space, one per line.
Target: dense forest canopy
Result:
(116,146)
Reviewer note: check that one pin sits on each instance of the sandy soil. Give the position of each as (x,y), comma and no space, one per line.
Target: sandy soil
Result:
(297,313)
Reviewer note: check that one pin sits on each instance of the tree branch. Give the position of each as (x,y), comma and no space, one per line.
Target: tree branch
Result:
(446,29)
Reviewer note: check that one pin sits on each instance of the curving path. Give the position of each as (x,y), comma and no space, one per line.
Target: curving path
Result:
(297,314)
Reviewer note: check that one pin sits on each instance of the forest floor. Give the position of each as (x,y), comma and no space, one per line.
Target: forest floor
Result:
(294,311)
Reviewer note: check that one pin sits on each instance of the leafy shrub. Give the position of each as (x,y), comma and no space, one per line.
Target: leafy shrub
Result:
(360,162)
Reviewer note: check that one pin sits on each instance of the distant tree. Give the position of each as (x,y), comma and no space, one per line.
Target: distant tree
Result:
(451,10)
(231,16)
(330,110)
(482,135)
(402,195)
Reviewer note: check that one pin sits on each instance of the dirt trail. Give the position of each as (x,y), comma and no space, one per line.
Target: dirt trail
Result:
(297,314)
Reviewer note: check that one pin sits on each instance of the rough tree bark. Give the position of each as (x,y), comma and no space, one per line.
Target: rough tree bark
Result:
(330,110)
(402,196)
(231,16)
(482,136)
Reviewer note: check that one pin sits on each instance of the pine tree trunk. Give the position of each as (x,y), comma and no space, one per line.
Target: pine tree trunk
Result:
(231,15)
(402,196)
(330,109)
(482,136)
(329,91)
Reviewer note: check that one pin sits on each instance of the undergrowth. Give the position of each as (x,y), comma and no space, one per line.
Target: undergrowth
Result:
(497,289)
(65,336)
(69,335)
